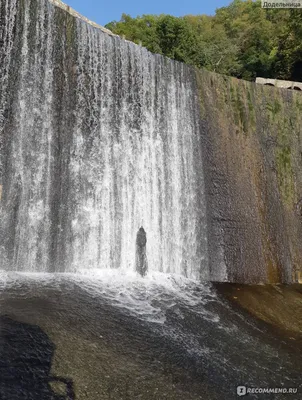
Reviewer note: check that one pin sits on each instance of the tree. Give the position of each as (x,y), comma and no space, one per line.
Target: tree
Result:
(177,39)
(289,64)
(242,39)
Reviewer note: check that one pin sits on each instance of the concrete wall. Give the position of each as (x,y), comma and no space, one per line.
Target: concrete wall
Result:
(279,83)
(252,152)
(252,142)
(71,11)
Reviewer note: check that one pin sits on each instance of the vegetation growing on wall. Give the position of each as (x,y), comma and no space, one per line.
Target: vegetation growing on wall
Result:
(242,39)
(254,150)
(244,105)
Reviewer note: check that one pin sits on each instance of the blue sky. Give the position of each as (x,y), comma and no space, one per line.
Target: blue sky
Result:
(102,12)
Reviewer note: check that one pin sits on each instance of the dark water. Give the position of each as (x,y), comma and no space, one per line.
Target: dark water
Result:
(129,338)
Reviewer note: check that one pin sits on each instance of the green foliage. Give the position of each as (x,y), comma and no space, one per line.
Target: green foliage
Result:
(242,39)
(290,47)
(177,39)
(140,30)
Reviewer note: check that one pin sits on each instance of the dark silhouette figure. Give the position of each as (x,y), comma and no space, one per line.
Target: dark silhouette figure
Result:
(25,362)
(141,256)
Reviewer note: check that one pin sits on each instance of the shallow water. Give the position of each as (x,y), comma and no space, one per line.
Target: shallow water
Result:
(109,335)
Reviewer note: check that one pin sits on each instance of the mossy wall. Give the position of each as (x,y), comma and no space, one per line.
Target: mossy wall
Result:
(253,165)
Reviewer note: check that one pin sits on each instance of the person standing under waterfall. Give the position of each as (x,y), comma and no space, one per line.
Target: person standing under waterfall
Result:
(141,255)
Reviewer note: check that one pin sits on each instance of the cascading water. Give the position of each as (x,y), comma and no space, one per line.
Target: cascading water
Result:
(7,21)
(101,138)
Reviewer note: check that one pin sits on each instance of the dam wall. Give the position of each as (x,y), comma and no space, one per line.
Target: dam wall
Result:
(99,137)
(253,167)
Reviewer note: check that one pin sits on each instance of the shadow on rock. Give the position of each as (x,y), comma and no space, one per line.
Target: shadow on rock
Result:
(25,362)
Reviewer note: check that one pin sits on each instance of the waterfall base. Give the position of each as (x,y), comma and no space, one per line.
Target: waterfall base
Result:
(125,337)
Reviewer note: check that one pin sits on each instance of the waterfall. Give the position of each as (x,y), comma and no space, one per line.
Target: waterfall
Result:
(7,22)
(101,138)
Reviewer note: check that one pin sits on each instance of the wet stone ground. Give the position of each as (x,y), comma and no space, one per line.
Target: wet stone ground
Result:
(68,338)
